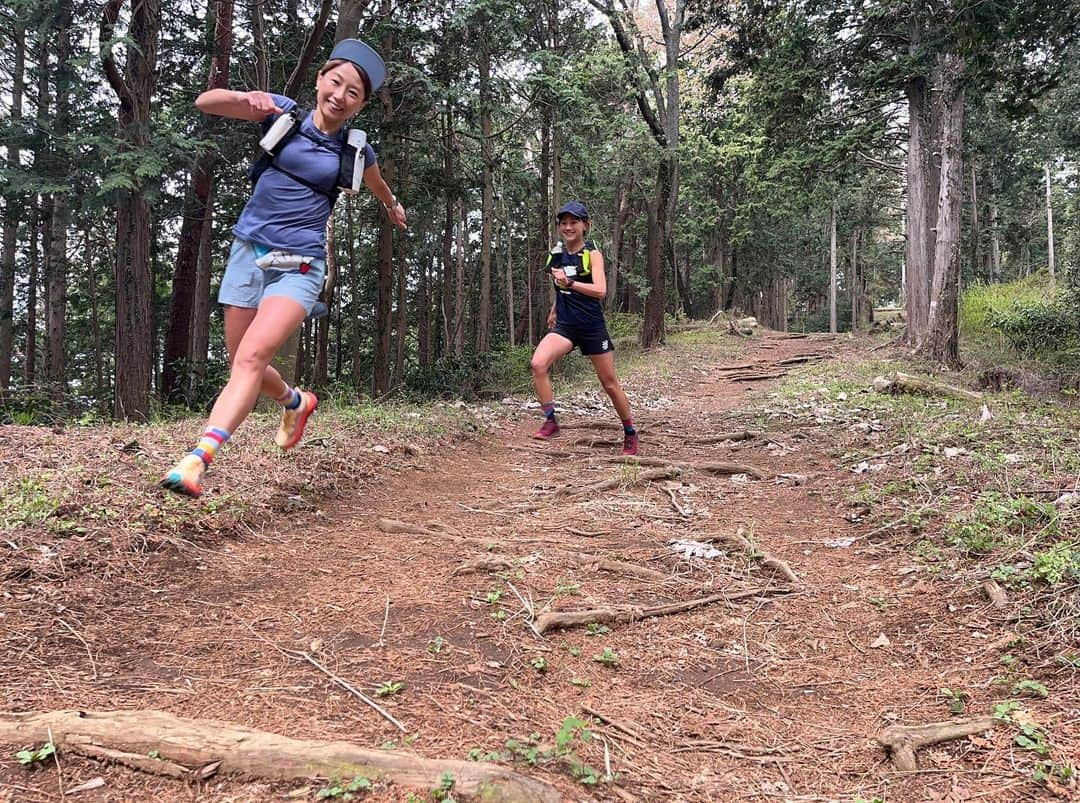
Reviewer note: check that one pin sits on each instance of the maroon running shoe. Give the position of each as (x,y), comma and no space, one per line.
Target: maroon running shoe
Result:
(549,429)
(629,444)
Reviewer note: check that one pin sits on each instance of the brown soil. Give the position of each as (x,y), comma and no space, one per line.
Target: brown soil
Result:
(775,697)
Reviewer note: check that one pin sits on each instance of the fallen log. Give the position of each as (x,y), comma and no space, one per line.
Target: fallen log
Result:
(197,744)
(553,620)
(901,741)
(907,383)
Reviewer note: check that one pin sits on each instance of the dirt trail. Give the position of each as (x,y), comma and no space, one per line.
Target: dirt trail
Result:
(775,697)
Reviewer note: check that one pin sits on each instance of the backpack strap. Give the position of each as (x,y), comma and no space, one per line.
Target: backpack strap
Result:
(266,161)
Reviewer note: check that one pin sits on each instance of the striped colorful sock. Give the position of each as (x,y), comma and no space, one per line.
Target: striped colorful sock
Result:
(209,443)
(549,410)
(628,426)
(290,399)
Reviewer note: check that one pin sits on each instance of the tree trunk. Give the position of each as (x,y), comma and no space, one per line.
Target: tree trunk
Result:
(322,325)
(508,245)
(200,315)
(89,257)
(447,300)
(13,214)
(178,339)
(483,318)
(916,259)
(356,292)
(1049,224)
(652,327)
(383,319)
(995,244)
(461,243)
(30,358)
(615,263)
(940,344)
(976,234)
(401,313)
(832,267)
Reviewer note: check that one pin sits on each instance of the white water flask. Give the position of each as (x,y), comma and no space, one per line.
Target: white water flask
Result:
(281,128)
(351,173)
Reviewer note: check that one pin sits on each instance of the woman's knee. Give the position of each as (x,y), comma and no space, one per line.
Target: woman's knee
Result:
(252,361)
(538,366)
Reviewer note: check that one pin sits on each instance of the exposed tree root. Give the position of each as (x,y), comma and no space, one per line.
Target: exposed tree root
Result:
(741,435)
(619,567)
(995,593)
(707,467)
(730,468)
(395,527)
(666,473)
(554,620)
(901,741)
(906,383)
(196,744)
(760,377)
(765,558)
(485,564)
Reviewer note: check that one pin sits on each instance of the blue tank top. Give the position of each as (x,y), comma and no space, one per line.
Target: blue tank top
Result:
(575,309)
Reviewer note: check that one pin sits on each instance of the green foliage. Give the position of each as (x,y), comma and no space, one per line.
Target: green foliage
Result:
(389,688)
(995,516)
(340,790)
(1031,688)
(957,700)
(608,657)
(28,757)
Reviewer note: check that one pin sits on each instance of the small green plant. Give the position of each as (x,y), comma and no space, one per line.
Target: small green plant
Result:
(389,687)
(567,588)
(1068,659)
(499,615)
(596,629)
(540,664)
(28,757)
(957,700)
(479,754)
(1031,688)
(608,657)
(1047,770)
(879,602)
(339,790)
(1005,709)
(582,682)
(1032,737)
(493,597)
(442,792)
(437,645)
(574,651)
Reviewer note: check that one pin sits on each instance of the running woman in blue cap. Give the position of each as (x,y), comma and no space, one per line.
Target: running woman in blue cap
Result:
(278,258)
(577,319)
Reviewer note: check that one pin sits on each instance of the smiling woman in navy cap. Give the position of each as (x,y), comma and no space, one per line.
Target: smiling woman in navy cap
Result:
(278,258)
(577,319)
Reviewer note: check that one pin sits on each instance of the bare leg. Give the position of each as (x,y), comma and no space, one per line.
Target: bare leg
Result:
(270,326)
(605,370)
(237,321)
(550,349)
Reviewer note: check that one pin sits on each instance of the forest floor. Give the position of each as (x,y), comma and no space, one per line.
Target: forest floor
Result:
(116,596)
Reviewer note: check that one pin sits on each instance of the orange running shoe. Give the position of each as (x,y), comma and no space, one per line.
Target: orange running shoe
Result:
(292,421)
(185,476)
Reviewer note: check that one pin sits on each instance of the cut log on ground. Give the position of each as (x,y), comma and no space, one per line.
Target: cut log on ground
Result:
(196,744)
(554,620)
(901,741)
(906,383)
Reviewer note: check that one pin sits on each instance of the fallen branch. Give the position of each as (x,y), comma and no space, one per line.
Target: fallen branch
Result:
(756,377)
(199,743)
(554,620)
(901,741)
(708,467)
(485,564)
(765,558)
(906,383)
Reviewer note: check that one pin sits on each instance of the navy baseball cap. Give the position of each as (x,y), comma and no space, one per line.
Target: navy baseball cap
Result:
(362,56)
(575,208)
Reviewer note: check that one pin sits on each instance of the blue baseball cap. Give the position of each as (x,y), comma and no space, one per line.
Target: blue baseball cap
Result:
(575,208)
(364,57)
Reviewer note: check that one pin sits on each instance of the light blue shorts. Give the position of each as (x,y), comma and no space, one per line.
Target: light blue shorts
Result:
(245,284)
